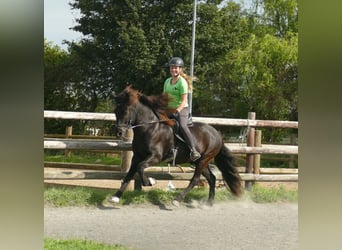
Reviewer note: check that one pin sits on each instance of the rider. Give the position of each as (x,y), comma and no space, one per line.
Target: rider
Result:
(177,86)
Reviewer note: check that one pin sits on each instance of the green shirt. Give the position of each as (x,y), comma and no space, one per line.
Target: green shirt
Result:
(176,91)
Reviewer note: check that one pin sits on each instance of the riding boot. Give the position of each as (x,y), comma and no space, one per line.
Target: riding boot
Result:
(194,154)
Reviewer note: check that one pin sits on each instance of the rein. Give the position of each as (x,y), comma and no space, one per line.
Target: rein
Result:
(145,123)
(133,108)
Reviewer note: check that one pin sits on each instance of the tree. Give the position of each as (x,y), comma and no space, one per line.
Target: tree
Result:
(55,76)
(245,60)
(279,16)
(220,30)
(58,91)
(131,41)
(267,72)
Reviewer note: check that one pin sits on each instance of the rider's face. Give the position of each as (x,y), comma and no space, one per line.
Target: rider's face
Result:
(174,70)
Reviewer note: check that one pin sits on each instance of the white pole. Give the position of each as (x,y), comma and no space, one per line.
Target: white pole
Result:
(192,58)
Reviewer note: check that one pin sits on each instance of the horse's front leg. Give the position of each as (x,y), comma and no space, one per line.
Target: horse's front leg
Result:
(129,176)
(153,159)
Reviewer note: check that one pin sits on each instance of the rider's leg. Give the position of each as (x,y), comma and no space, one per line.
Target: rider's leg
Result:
(183,123)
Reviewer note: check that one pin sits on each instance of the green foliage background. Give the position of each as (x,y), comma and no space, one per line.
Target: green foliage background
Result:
(246,58)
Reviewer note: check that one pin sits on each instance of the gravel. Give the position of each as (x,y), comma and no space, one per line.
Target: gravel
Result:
(230,225)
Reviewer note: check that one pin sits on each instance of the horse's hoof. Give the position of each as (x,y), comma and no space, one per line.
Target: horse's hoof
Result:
(114,199)
(152,181)
(175,203)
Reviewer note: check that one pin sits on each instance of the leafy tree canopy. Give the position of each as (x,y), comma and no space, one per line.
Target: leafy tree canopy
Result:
(245,59)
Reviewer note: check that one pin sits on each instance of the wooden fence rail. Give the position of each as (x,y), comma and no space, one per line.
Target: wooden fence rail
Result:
(213,121)
(101,175)
(177,168)
(116,145)
(79,171)
(109,145)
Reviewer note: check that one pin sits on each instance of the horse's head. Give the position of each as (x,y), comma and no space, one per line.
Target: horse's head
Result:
(124,110)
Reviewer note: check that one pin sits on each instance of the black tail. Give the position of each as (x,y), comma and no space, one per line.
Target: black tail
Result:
(225,162)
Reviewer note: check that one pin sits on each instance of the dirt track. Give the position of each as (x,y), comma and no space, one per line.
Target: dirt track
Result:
(232,225)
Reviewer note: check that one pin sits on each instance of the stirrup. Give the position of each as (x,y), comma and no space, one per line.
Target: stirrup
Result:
(194,155)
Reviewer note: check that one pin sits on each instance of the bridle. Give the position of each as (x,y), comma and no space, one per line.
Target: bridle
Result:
(130,125)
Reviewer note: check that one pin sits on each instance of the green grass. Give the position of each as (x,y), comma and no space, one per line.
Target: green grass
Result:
(86,196)
(55,244)
(261,194)
(74,196)
(90,158)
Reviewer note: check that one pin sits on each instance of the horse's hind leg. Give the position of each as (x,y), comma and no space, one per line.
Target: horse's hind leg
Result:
(194,180)
(211,178)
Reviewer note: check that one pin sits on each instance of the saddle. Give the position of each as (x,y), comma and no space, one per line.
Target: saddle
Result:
(176,131)
(174,124)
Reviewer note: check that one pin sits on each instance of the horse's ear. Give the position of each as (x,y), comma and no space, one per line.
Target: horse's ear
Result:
(113,94)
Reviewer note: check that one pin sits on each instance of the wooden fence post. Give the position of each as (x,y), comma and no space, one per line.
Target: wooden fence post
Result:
(126,156)
(257,156)
(250,157)
(292,157)
(68,134)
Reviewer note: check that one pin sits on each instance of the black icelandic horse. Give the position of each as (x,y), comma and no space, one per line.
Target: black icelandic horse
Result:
(154,140)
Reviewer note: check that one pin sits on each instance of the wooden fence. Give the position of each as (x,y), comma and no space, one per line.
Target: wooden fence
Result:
(252,148)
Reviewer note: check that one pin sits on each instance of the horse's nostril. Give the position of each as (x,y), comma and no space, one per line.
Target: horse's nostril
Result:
(119,134)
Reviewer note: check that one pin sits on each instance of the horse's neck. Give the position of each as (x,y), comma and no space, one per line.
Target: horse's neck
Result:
(145,114)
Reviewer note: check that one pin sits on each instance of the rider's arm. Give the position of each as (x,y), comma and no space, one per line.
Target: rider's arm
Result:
(183,103)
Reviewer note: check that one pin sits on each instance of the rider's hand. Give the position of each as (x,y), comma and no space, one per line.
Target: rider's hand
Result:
(176,115)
